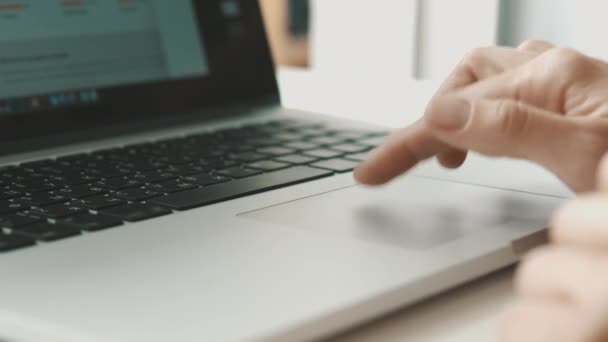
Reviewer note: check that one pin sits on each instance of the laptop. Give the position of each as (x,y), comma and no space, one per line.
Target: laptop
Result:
(154,189)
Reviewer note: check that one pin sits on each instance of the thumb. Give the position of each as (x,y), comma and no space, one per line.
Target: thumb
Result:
(509,128)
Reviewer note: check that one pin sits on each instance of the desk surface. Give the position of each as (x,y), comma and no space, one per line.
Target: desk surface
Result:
(470,313)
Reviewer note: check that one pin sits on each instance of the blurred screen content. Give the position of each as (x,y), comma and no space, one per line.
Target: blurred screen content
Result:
(57,53)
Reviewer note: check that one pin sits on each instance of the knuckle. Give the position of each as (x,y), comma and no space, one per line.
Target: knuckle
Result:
(569,61)
(533,44)
(566,55)
(592,136)
(473,62)
(513,119)
(474,56)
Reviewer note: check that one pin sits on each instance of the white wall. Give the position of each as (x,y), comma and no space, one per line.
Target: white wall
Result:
(450,28)
(580,24)
(426,38)
(364,37)
(399,38)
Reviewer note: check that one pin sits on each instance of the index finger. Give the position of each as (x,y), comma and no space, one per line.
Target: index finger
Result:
(480,64)
(401,152)
(409,146)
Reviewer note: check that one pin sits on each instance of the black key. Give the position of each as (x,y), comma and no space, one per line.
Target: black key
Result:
(99,164)
(375,141)
(36,185)
(58,211)
(110,172)
(249,157)
(313,132)
(359,157)
(19,220)
(175,160)
(45,231)
(42,199)
(337,165)
(171,186)
(235,148)
(119,183)
(238,188)
(293,123)
(111,154)
(297,159)
(91,223)
(205,179)
(58,179)
(136,212)
(53,170)
(238,172)
(38,164)
(13,242)
(210,155)
(9,193)
(269,165)
(31,175)
(288,137)
(78,178)
(218,164)
(276,151)
(350,148)
(331,140)
(81,191)
(7,207)
(74,157)
(323,154)
(186,170)
(144,165)
(97,202)
(153,177)
(353,135)
(302,145)
(22,175)
(263,141)
(137,194)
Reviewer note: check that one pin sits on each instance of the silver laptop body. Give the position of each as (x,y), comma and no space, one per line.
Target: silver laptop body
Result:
(300,258)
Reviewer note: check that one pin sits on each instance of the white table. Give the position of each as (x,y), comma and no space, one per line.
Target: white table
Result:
(470,313)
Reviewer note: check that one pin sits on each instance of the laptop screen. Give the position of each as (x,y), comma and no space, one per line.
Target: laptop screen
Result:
(81,69)
(58,53)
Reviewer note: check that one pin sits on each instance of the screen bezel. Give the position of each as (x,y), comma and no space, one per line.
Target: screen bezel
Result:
(241,73)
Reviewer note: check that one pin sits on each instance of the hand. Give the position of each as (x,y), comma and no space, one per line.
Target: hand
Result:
(536,102)
(564,288)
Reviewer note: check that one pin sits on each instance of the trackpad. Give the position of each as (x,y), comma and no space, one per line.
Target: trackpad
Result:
(413,213)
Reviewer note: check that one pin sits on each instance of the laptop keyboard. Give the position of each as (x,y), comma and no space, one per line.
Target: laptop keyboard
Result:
(53,199)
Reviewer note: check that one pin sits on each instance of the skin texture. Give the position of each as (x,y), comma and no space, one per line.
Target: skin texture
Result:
(536,102)
(563,288)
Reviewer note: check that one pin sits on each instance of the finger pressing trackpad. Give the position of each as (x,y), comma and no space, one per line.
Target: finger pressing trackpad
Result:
(414,213)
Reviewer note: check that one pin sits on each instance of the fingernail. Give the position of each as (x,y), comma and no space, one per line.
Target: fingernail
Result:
(449,113)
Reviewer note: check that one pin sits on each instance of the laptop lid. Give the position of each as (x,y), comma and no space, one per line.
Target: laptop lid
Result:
(80,68)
